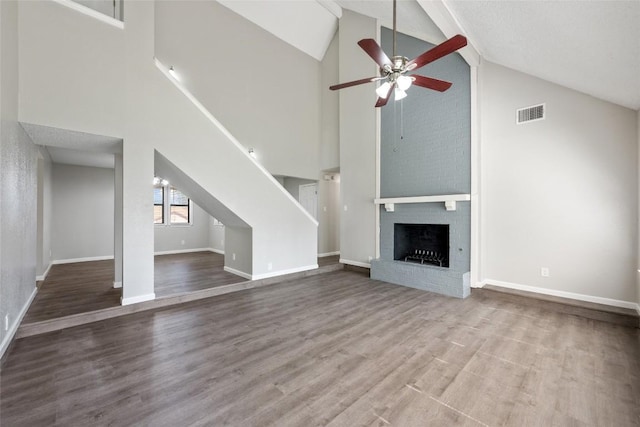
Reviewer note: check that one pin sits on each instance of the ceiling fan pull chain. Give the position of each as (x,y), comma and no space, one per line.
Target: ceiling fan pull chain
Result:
(401,119)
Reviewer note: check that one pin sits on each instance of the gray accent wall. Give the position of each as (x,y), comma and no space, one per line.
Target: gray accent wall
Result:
(426,137)
(425,151)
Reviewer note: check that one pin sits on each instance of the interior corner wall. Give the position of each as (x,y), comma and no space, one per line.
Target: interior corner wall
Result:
(560,193)
(83,206)
(18,192)
(358,129)
(184,237)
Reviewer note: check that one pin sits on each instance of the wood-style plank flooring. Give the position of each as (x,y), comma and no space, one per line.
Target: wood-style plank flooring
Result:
(334,349)
(88,286)
(178,273)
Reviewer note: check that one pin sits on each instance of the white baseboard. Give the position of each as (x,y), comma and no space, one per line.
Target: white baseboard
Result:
(562,294)
(86,259)
(182,251)
(217,251)
(356,263)
(14,327)
(117,285)
(138,299)
(238,273)
(328,254)
(44,275)
(283,272)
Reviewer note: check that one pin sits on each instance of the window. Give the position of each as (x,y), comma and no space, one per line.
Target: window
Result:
(158,204)
(170,205)
(179,209)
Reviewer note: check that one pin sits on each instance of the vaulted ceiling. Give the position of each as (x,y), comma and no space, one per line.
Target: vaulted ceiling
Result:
(589,46)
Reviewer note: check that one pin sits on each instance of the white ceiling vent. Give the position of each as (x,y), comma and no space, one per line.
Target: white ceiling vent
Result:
(530,114)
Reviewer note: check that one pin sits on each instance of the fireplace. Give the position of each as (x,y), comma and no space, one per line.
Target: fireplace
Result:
(422,244)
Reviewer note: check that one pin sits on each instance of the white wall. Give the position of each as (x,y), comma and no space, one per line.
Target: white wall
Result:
(18,192)
(561,193)
(357,142)
(329,215)
(82,219)
(263,90)
(330,113)
(71,70)
(160,117)
(216,236)
(168,238)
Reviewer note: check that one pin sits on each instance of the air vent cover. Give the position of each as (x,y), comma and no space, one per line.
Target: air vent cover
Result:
(530,114)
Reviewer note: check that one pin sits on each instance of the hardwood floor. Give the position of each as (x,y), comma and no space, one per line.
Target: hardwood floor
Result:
(88,286)
(334,349)
(74,288)
(178,273)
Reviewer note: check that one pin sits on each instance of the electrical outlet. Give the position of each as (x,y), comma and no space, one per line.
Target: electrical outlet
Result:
(370,258)
(324,208)
(345,208)
(182,242)
(6,322)
(222,242)
(233,257)
(544,271)
(270,266)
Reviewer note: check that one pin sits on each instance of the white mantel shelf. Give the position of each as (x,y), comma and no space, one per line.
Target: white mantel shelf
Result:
(449,201)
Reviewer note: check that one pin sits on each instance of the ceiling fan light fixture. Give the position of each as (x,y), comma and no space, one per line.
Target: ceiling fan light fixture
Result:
(404,82)
(383,89)
(399,94)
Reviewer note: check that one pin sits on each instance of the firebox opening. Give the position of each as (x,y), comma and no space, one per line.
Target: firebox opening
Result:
(422,243)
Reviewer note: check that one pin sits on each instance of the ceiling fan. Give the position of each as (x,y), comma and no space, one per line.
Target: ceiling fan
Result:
(394,71)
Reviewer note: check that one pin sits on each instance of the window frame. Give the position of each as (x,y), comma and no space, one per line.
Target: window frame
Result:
(166,208)
(170,205)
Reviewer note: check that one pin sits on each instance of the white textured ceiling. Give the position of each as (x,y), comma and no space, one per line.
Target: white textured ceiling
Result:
(75,148)
(589,46)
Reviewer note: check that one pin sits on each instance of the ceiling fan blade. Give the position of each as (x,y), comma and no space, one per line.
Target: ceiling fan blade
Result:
(374,50)
(383,101)
(443,49)
(430,83)
(354,83)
